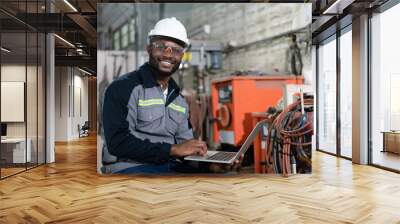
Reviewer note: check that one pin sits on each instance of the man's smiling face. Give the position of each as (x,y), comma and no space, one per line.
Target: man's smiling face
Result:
(165,55)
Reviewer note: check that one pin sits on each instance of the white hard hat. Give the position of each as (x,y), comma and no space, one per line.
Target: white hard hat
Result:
(170,27)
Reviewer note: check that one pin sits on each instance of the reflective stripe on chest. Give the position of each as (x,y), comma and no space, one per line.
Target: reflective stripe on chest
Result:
(151,102)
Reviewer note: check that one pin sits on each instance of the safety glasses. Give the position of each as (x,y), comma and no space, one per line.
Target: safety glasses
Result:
(162,47)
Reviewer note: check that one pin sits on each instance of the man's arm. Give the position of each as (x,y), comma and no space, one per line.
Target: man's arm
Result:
(120,141)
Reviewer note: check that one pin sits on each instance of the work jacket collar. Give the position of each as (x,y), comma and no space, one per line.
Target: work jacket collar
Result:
(149,81)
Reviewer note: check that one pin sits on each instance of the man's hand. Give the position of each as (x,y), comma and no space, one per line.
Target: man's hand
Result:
(188,148)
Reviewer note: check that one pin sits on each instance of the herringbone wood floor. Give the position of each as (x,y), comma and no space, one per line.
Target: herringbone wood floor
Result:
(70,191)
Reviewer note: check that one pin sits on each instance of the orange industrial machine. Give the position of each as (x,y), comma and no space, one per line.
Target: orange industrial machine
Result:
(234,99)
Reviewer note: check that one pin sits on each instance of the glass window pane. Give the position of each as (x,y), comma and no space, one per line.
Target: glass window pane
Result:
(13,85)
(132,31)
(41,99)
(22,63)
(327,97)
(31,97)
(116,40)
(346,94)
(386,89)
(124,36)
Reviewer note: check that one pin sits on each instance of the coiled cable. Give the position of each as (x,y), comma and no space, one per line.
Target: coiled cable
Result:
(289,141)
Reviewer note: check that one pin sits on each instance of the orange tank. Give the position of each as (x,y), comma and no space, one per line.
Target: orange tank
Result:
(234,99)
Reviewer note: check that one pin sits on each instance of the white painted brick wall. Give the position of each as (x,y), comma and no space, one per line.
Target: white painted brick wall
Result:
(246,23)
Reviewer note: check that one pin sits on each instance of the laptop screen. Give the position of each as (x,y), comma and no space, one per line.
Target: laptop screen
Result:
(253,134)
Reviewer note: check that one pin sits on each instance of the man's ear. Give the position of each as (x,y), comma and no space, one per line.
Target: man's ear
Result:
(148,49)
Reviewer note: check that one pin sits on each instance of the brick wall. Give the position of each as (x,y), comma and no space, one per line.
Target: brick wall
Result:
(246,24)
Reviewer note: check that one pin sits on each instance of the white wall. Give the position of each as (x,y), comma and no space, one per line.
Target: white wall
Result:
(14,73)
(61,103)
(70,83)
(17,73)
(33,126)
(79,117)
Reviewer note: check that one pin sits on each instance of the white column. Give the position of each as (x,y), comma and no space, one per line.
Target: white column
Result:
(50,100)
(50,92)
(360,90)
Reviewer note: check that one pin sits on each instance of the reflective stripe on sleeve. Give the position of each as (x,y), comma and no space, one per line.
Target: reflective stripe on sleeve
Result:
(177,108)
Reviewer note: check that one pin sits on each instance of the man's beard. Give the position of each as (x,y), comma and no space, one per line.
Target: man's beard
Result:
(155,64)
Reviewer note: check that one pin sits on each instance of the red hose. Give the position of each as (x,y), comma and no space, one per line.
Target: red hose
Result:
(291,134)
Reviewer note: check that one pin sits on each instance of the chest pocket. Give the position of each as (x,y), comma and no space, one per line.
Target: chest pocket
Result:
(149,118)
(175,119)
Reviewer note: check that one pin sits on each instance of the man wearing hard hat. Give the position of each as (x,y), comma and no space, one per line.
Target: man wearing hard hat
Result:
(145,117)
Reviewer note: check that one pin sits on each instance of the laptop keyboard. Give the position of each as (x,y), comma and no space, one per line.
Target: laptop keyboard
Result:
(222,156)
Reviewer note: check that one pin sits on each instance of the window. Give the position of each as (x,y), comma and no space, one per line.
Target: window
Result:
(124,36)
(116,40)
(22,65)
(132,31)
(346,94)
(327,96)
(385,86)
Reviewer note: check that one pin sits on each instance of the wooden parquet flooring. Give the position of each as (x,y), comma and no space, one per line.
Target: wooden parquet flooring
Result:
(70,191)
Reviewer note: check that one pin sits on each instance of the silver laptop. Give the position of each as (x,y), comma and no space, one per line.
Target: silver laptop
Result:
(229,157)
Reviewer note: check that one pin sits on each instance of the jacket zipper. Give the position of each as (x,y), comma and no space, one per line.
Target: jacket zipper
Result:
(166,101)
